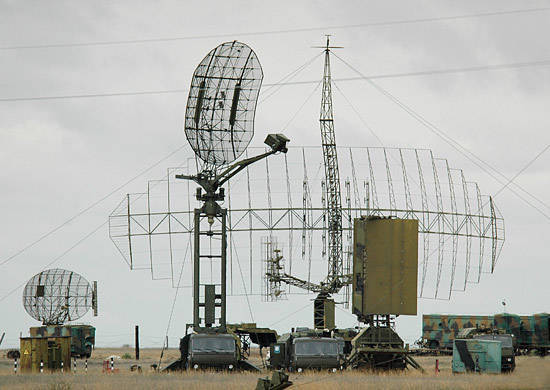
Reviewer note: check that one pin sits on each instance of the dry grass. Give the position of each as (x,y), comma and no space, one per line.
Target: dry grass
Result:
(531,373)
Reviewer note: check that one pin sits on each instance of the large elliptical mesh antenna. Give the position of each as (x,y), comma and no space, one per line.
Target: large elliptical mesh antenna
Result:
(219,124)
(56,296)
(461,230)
(219,119)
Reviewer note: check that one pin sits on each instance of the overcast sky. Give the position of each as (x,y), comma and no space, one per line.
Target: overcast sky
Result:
(58,156)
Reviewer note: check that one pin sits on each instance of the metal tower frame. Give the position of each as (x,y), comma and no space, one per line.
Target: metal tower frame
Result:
(332,180)
(217,216)
(323,311)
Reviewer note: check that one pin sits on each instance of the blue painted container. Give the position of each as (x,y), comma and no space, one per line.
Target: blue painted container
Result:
(473,355)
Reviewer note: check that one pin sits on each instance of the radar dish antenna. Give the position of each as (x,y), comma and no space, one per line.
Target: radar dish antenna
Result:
(219,119)
(55,296)
(219,133)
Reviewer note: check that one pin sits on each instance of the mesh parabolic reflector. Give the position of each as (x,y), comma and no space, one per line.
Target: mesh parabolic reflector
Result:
(219,119)
(56,295)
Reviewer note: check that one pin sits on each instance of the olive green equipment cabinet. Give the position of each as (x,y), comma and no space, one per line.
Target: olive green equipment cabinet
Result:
(384,280)
(53,352)
(385,267)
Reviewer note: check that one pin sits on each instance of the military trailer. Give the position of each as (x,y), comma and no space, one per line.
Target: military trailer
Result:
(530,332)
(82,337)
(440,330)
(507,343)
(307,349)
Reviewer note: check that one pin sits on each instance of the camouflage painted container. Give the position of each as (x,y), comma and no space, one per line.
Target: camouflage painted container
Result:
(440,330)
(541,323)
(531,332)
(82,337)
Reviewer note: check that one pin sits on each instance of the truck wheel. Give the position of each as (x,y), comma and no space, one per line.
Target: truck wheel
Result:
(13,354)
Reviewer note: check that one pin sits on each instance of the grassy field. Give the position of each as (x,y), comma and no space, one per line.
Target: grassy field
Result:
(531,373)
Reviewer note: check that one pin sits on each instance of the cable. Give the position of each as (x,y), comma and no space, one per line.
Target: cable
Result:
(346,312)
(178,287)
(466,69)
(75,245)
(454,144)
(242,279)
(359,115)
(461,149)
(290,315)
(522,170)
(282,31)
(58,257)
(485,204)
(89,207)
(281,83)
(289,76)
(174,300)
(301,107)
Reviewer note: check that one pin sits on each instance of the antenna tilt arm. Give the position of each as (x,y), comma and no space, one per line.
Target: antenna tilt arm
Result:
(277,143)
(309,286)
(296,282)
(235,168)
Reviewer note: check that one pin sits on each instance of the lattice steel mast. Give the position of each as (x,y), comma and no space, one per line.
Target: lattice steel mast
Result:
(323,306)
(332,178)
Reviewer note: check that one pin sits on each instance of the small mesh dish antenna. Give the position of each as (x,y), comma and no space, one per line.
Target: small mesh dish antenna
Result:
(55,296)
(219,119)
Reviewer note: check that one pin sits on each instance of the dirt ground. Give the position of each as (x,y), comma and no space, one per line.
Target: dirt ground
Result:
(531,373)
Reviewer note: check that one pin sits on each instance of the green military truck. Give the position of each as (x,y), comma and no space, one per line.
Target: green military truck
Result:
(82,337)
(507,343)
(215,349)
(305,348)
(211,351)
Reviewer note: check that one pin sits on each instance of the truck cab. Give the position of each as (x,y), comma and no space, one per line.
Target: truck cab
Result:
(307,349)
(215,350)
(316,353)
